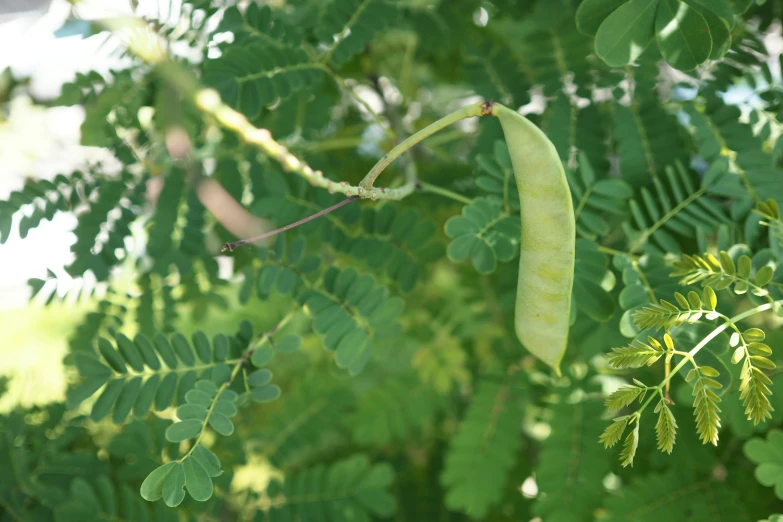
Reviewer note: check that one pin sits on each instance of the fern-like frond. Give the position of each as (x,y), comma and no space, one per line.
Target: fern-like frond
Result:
(665,427)
(614,432)
(255,76)
(636,354)
(754,384)
(349,489)
(594,198)
(97,498)
(210,403)
(743,60)
(557,58)
(393,411)
(482,452)
(101,231)
(673,496)
(347,26)
(722,272)
(396,243)
(493,71)
(305,424)
(667,315)
(648,140)
(259,23)
(141,373)
(571,464)
(39,200)
(349,311)
(705,406)
(109,102)
(628,453)
(485,233)
(737,156)
(674,206)
(625,395)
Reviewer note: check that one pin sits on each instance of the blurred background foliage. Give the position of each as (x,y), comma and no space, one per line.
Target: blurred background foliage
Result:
(364,366)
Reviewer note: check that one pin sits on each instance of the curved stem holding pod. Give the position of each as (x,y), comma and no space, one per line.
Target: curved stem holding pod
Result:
(469,111)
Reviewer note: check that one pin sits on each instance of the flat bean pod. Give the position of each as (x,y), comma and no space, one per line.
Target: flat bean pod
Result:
(547,246)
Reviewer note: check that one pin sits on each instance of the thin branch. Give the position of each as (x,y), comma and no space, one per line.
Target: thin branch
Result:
(434,189)
(229,247)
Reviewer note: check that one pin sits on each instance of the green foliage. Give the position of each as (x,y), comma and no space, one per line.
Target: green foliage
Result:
(485,233)
(347,489)
(140,374)
(259,23)
(306,423)
(102,500)
(675,495)
(494,73)
(347,26)
(364,365)
(572,465)
(595,197)
(400,243)
(661,215)
(687,32)
(768,456)
(256,75)
(350,312)
(45,198)
(483,450)
(392,412)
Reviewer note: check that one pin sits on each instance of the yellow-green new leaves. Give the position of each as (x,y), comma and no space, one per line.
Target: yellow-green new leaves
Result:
(768,455)
(636,354)
(667,315)
(754,383)
(625,396)
(665,428)
(629,446)
(705,403)
(547,245)
(722,272)
(614,432)
(770,214)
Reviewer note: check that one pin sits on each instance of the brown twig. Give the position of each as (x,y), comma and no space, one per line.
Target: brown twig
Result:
(229,247)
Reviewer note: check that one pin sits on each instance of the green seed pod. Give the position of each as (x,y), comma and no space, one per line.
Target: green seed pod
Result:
(547,246)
